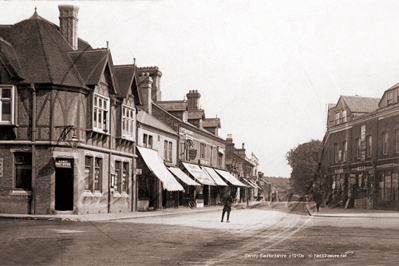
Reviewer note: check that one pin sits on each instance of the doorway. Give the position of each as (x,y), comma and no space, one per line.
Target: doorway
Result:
(64,189)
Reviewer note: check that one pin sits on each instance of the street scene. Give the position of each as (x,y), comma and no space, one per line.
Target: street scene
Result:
(199,132)
(254,235)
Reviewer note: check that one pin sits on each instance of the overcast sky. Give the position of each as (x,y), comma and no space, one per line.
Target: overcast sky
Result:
(267,69)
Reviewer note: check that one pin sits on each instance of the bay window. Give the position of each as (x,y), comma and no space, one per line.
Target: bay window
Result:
(128,122)
(100,113)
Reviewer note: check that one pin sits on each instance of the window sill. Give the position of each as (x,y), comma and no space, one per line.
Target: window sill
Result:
(87,193)
(4,124)
(124,195)
(21,193)
(98,193)
(98,131)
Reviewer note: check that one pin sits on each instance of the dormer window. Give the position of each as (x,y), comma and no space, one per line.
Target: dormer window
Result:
(7,93)
(337,118)
(343,116)
(390,98)
(128,122)
(100,113)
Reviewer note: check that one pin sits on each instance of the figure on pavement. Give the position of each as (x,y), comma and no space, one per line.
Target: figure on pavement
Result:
(227,200)
(318,199)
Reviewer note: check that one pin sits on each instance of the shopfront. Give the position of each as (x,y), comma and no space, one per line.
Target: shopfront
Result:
(361,186)
(387,194)
(188,184)
(235,184)
(154,182)
(216,192)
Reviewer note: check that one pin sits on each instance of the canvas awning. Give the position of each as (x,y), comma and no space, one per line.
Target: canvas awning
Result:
(231,179)
(198,174)
(183,177)
(214,176)
(249,183)
(155,164)
(253,182)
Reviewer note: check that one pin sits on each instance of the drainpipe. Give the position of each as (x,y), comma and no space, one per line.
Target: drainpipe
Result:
(33,190)
(109,156)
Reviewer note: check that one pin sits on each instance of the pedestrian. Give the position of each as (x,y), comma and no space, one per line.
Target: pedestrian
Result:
(227,200)
(318,199)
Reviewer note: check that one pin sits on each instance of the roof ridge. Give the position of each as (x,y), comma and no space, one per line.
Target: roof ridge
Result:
(360,97)
(88,51)
(1,39)
(123,66)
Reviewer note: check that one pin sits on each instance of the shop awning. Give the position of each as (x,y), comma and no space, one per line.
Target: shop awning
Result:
(214,176)
(249,183)
(253,182)
(183,177)
(156,165)
(231,179)
(198,174)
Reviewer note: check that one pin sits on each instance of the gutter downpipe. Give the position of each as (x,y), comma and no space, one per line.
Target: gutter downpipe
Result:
(109,158)
(33,189)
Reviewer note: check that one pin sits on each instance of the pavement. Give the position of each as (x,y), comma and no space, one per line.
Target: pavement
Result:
(350,212)
(104,217)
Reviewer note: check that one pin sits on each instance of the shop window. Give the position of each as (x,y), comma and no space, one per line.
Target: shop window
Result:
(98,175)
(369,145)
(358,148)
(100,113)
(125,177)
(128,122)
(88,172)
(7,93)
(388,186)
(385,143)
(23,170)
(345,151)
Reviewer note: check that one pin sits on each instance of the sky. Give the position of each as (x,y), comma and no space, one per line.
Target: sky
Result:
(267,69)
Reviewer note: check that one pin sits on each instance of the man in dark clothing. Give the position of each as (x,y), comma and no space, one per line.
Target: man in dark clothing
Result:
(227,200)
(318,199)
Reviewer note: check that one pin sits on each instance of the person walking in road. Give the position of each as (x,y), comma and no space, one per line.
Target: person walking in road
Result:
(318,199)
(227,200)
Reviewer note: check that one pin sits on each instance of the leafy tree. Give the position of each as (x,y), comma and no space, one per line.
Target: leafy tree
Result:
(303,161)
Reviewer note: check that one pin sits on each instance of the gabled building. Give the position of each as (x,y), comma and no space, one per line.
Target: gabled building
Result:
(359,159)
(63,147)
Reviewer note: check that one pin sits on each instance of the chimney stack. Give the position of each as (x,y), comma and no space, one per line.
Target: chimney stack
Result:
(69,24)
(146,88)
(193,100)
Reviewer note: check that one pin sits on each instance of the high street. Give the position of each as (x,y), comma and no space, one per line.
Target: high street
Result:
(262,234)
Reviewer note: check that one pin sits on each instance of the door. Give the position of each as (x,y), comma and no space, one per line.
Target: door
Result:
(64,189)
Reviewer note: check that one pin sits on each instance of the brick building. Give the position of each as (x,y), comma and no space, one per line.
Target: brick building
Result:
(359,163)
(67,140)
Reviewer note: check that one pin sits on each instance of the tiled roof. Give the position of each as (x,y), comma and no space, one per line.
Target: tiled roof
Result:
(90,64)
(9,58)
(126,75)
(211,122)
(145,118)
(197,114)
(173,105)
(359,104)
(41,50)
(331,105)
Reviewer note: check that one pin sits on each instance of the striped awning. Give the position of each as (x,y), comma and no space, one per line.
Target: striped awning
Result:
(231,179)
(214,176)
(183,177)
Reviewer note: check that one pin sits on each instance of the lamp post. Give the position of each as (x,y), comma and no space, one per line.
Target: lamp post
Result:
(74,141)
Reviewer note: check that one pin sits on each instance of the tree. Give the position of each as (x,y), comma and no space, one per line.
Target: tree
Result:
(303,161)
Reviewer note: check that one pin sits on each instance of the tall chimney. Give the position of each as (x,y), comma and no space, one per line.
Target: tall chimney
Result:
(193,100)
(69,24)
(145,88)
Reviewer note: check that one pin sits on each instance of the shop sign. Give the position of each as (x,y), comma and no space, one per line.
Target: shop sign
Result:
(63,163)
(204,162)
(387,165)
(362,168)
(339,171)
(192,153)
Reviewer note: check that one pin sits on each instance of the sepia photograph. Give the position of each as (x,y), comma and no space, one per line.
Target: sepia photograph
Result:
(173,132)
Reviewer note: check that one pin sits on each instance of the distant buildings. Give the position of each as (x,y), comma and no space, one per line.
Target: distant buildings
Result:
(79,134)
(359,160)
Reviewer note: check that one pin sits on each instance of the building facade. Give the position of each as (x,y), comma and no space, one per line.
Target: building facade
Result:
(359,162)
